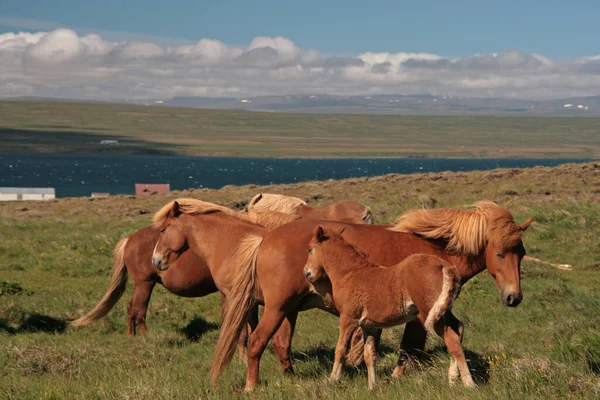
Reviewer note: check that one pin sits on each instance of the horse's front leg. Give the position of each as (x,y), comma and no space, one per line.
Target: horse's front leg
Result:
(267,326)
(347,326)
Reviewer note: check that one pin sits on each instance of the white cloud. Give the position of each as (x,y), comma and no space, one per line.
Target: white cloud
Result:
(62,63)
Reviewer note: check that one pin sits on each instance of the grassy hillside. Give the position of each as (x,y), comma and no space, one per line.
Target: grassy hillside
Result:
(36,127)
(55,263)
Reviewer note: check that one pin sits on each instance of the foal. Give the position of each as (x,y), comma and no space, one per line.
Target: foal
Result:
(369,296)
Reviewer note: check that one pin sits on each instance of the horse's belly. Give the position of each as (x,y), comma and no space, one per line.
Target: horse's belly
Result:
(377,320)
(187,285)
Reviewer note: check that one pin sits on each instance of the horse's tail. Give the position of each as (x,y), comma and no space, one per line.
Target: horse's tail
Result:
(356,354)
(368,216)
(449,293)
(240,300)
(115,290)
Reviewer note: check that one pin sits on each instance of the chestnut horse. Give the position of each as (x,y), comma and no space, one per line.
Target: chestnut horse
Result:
(473,240)
(345,210)
(369,296)
(189,276)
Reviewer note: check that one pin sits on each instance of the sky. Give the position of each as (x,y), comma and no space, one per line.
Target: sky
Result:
(140,49)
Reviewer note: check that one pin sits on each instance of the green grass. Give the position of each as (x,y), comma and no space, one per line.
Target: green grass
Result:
(36,127)
(55,263)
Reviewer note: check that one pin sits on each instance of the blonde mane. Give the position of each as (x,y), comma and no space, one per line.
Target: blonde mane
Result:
(270,219)
(267,219)
(276,202)
(465,231)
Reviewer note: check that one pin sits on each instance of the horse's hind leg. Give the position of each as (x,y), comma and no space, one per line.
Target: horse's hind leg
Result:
(282,342)
(137,307)
(243,340)
(267,326)
(413,343)
(450,329)
(242,345)
(370,353)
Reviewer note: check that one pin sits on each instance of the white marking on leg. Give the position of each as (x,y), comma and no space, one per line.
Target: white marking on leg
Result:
(453,371)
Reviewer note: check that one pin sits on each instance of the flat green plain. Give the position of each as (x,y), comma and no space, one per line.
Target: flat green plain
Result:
(55,265)
(55,127)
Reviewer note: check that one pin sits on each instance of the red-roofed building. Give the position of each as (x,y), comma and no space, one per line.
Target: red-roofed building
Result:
(146,189)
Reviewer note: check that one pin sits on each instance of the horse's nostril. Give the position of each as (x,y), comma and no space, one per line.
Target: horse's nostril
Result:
(510,300)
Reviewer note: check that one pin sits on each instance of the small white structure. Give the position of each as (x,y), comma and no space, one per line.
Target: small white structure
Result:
(580,106)
(109,142)
(245,101)
(16,194)
(568,105)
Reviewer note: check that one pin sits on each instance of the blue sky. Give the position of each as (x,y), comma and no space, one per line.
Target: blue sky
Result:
(558,30)
(132,49)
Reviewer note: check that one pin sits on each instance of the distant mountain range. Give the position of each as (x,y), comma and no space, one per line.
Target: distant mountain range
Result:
(384,104)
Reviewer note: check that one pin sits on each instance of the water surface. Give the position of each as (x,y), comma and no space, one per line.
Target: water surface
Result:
(80,175)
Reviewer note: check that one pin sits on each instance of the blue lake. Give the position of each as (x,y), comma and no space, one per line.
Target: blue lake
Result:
(79,175)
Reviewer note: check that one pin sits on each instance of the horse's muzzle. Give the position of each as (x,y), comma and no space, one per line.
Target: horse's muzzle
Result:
(512,299)
(308,274)
(158,263)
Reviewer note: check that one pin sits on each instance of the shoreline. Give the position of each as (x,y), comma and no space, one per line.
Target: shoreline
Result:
(583,159)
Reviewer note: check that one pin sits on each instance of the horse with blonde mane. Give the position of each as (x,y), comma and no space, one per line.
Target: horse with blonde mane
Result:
(369,296)
(345,210)
(271,271)
(188,276)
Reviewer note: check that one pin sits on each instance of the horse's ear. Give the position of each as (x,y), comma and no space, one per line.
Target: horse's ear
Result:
(175,210)
(320,234)
(255,200)
(526,224)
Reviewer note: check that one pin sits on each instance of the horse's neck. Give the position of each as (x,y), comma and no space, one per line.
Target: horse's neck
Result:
(468,265)
(304,210)
(210,233)
(340,263)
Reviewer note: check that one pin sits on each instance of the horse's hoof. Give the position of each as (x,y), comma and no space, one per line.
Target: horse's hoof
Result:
(398,372)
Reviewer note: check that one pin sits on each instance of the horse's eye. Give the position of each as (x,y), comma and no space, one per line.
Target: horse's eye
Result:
(163,230)
(500,255)
(310,249)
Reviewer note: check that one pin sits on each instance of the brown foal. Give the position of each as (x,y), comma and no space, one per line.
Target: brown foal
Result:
(369,296)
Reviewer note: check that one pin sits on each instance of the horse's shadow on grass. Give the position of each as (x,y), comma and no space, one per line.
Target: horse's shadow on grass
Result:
(325,355)
(36,323)
(478,365)
(197,327)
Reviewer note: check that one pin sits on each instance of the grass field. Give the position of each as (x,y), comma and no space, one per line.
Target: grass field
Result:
(55,263)
(36,127)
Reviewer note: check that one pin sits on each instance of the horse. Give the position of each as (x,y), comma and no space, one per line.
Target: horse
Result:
(189,275)
(272,272)
(369,296)
(345,210)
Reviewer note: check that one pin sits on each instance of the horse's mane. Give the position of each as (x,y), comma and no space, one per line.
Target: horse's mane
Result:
(276,202)
(267,219)
(465,231)
(270,219)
